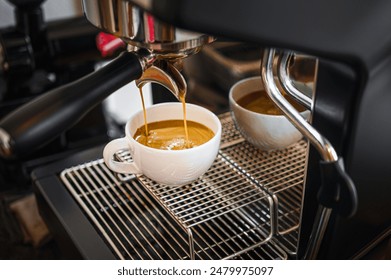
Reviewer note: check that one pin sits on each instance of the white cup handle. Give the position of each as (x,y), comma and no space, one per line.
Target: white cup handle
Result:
(120,167)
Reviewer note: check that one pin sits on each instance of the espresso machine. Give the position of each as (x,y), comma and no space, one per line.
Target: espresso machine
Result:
(342,210)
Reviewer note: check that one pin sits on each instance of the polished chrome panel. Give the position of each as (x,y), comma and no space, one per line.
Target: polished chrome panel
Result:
(141,29)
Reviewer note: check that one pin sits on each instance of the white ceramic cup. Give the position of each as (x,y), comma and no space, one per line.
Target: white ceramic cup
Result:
(168,167)
(267,132)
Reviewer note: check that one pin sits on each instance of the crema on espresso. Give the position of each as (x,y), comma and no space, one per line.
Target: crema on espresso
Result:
(171,135)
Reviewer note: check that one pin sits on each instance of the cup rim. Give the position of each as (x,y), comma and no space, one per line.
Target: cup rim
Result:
(233,101)
(155,150)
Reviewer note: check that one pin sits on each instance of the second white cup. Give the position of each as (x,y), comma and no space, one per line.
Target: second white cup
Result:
(267,132)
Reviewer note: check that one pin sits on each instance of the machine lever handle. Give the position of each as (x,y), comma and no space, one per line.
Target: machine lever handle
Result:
(46,117)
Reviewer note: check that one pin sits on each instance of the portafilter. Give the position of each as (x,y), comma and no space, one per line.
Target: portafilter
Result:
(150,41)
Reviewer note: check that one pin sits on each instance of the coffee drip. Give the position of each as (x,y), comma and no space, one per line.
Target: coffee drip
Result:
(166,74)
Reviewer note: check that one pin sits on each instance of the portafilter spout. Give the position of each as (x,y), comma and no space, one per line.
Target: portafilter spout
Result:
(167,75)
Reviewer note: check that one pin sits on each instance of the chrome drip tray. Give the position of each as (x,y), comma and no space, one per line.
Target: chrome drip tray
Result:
(246,200)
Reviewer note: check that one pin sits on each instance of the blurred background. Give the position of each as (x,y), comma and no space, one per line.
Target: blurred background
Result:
(53,9)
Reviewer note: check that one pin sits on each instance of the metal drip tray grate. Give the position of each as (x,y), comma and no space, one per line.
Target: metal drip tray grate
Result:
(234,211)
(280,173)
(137,226)
(220,191)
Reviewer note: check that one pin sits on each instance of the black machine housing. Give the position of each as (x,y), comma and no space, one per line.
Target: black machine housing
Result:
(352,40)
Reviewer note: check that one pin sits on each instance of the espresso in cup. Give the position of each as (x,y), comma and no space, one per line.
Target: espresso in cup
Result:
(259,102)
(259,121)
(171,135)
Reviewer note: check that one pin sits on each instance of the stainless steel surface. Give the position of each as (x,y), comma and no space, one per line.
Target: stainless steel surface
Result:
(288,83)
(323,146)
(280,173)
(170,78)
(145,57)
(233,211)
(317,234)
(222,197)
(141,29)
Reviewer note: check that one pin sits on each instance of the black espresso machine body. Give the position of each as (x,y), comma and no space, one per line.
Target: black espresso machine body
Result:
(351,107)
(352,42)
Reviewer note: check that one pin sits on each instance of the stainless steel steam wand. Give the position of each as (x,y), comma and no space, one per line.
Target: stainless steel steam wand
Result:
(337,191)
